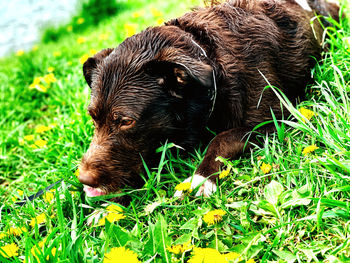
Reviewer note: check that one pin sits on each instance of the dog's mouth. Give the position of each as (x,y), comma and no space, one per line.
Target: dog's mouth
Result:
(93,192)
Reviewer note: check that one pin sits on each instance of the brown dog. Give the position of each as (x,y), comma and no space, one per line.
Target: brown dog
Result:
(206,68)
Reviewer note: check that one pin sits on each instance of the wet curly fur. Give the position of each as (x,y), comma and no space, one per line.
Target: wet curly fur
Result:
(155,85)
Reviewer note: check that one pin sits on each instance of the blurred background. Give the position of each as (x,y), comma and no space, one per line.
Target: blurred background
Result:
(23,23)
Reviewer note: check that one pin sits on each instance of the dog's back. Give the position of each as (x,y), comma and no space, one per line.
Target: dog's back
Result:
(246,39)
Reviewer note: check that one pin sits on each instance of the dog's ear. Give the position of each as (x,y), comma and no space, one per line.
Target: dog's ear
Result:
(92,62)
(178,72)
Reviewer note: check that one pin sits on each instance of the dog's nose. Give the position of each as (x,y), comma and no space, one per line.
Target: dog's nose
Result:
(88,179)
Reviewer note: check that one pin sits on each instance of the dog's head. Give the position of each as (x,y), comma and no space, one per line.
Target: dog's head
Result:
(151,88)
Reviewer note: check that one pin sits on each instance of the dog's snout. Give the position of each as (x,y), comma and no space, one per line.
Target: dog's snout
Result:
(89,179)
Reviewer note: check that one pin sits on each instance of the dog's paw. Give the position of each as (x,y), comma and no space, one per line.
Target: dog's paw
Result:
(207,187)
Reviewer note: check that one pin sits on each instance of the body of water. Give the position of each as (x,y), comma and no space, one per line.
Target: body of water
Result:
(21,21)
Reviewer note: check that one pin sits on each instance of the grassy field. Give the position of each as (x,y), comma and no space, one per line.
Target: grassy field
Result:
(286,201)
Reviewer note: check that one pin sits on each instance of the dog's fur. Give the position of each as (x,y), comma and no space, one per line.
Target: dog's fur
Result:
(206,68)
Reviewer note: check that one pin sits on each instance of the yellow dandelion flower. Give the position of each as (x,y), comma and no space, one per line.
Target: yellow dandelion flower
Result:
(77,172)
(69,28)
(81,40)
(42,128)
(49,78)
(16,231)
(175,249)
(50,69)
(80,21)
(160,21)
(213,217)
(120,254)
(103,36)
(35,48)
(2,235)
(40,219)
(29,137)
(36,251)
(185,187)
(309,149)
(138,14)
(37,80)
(114,217)
(231,256)
(57,53)
(40,88)
(84,58)
(10,250)
(19,194)
(265,168)
(155,12)
(36,84)
(20,53)
(250,261)
(130,29)
(114,208)
(53,253)
(180,249)
(92,52)
(308,114)
(40,143)
(225,173)
(42,242)
(48,197)
(115,213)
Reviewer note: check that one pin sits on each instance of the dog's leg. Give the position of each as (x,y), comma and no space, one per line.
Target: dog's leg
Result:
(228,144)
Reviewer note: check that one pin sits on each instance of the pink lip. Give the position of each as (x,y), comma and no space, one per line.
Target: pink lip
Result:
(92,192)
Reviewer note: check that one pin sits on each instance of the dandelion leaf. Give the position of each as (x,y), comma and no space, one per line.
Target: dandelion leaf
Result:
(272,191)
(218,244)
(190,224)
(285,255)
(158,240)
(183,239)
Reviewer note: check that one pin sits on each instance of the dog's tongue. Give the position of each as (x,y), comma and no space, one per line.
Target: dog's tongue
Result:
(92,192)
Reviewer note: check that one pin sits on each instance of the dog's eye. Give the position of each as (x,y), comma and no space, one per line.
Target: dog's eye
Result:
(126,123)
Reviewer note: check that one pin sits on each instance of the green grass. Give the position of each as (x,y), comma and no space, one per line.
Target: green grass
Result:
(298,212)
